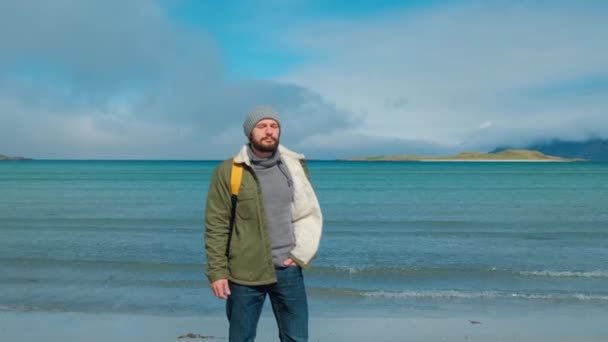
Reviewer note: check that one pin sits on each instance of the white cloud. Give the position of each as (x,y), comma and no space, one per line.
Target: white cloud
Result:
(437,74)
(485,125)
(115,79)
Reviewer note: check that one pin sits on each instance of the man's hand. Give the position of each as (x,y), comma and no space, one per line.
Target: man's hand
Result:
(220,288)
(289,262)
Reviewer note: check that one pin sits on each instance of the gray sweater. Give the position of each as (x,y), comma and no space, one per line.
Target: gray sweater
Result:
(277,193)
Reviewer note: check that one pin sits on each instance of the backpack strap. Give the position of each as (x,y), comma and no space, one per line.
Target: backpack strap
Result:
(236,178)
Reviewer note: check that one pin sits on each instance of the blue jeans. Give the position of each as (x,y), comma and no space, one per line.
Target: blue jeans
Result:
(289,304)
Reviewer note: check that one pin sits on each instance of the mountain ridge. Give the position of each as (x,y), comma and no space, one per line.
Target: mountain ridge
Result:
(595,149)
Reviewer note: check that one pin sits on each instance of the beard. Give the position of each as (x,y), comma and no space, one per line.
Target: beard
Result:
(265,145)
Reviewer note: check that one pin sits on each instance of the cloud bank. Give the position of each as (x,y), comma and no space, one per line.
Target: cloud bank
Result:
(122,80)
(469,76)
(125,80)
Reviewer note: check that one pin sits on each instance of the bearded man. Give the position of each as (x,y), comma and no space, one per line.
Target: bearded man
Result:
(261,249)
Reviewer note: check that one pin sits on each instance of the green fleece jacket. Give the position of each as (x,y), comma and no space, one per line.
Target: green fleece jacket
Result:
(249,257)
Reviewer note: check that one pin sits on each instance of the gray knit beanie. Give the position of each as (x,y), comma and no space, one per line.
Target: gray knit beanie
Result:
(257,114)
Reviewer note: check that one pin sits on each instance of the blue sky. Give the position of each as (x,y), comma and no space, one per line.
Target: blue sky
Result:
(244,31)
(173,79)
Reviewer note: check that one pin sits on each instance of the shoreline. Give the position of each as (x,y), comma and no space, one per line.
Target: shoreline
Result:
(91,327)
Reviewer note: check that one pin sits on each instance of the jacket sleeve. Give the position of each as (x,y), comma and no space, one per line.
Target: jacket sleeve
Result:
(217,216)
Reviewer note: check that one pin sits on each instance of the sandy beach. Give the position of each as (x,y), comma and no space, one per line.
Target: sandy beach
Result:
(66,327)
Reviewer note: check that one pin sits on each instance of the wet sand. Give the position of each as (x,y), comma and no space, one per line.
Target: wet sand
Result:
(65,327)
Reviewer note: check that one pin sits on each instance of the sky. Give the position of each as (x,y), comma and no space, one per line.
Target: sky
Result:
(174,79)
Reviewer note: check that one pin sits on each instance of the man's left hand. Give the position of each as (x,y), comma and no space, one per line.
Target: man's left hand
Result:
(289,262)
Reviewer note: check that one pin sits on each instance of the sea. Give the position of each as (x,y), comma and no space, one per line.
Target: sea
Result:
(399,238)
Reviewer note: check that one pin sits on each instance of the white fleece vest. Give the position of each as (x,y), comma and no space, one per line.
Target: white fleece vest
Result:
(305,210)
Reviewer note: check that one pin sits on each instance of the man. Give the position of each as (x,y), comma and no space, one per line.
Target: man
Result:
(276,232)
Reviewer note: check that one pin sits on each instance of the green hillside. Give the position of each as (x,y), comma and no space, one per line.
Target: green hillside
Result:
(506,155)
(3,157)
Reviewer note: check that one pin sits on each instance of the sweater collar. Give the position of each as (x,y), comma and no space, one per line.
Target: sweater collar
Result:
(263,162)
(243,157)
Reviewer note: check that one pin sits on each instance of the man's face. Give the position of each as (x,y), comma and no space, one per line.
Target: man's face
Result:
(265,135)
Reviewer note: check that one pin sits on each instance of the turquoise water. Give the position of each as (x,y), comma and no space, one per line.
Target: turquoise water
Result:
(126,236)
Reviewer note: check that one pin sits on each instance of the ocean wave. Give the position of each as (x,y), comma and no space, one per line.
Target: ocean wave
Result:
(387,271)
(566,274)
(442,272)
(461,295)
(483,295)
(96,265)
(352,272)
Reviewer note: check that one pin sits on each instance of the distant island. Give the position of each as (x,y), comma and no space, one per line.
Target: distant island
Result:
(3,157)
(506,155)
(595,149)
